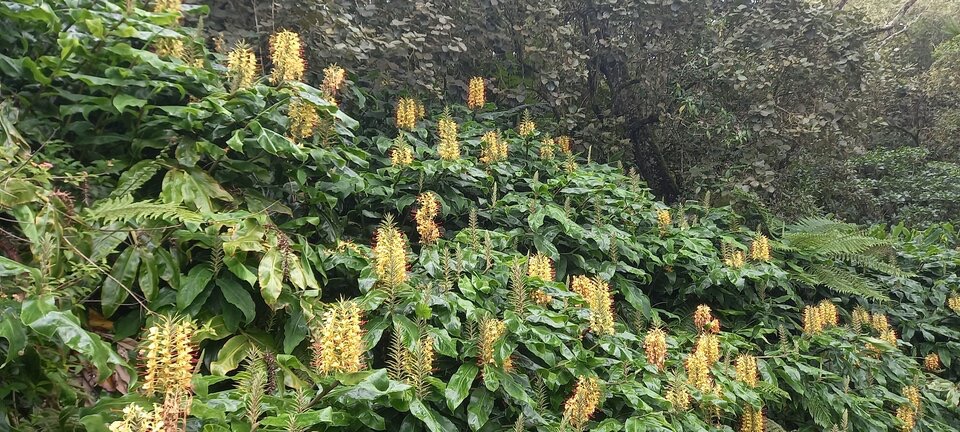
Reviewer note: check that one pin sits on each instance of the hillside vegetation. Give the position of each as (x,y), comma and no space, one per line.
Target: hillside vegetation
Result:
(201,240)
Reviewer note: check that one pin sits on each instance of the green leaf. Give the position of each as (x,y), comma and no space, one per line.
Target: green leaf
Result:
(122,101)
(459,386)
(230,355)
(116,287)
(270,275)
(434,421)
(13,331)
(478,411)
(238,296)
(192,285)
(42,315)
(295,329)
(275,143)
(149,276)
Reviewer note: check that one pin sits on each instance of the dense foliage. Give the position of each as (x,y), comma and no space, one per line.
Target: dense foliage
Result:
(189,240)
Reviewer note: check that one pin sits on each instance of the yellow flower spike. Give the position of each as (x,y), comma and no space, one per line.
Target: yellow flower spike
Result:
(170,47)
(907,417)
(401,154)
(168,6)
(698,372)
(241,67)
(540,297)
(405,115)
(429,209)
(954,303)
(811,320)
(932,362)
(679,398)
(390,254)
(655,346)
(169,355)
(701,317)
(880,323)
(746,367)
(736,260)
(709,346)
(286,53)
(449,146)
(333,78)
(828,313)
(427,355)
(338,346)
(861,317)
(494,148)
(582,404)
(601,308)
(303,119)
(913,395)
(540,267)
(565,145)
(890,337)
(760,248)
(476,97)
(491,330)
(582,285)
(664,220)
(753,420)
(546,148)
(526,127)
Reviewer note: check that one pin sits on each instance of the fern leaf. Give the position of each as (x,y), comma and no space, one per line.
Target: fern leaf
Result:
(125,209)
(846,282)
(135,177)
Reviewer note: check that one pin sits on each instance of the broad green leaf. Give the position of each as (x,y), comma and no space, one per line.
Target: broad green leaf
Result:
(149,276)
(118,285)
(230,355)
(434,421)
(478,411)
(192,285)
(459,386)
(122,101)
(238,296)
(13,331)
(270,275)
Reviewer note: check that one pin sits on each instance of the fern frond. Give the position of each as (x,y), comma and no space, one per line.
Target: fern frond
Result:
(834,244)
(872,262)
(771,392)
(845,282)
(819,225)
(135,177)
(125,209)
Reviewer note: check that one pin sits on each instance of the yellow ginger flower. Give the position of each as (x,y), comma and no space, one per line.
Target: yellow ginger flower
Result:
(338,345)
(333,78)
(655,345)
(136,419)
(570,165)
(168,6)
(429,209)
(427,355)
(421,111)
(861,317)
(390,253)
(932,362)
(494,149)
(663,221)
(828,313)
(169,357)
(406,115)
(907,417)
(541,297)
(286,53)
(241,67)
(303,119)
(476,97)
(449,146)
(746,367)
(736,260)
(526,127)
(811,320)
(540,267)
(709,346)
(698,372)
(601,307)
(170,47)
(564,142)
(760,248)
(343,246)
(702,317)
(879,323)
(546,148)
(889,336)
(913,395)
(679,398)
(401,154)
(582,285)
(954,303)
(584,402)
(753,420)
(491,330)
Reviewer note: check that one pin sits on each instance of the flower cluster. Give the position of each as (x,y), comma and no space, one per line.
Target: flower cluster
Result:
(655,345)
(408,112)
(338,345)
(476,96)
(449,146)
(333,78)
(913,395)
(170,47)
(880,323)
(526,127)
(698,372)
(541,297)
(303,119)
(599,299)
(136,419)
(168,6)
(565,144)
(540,267)
(241,67)
(585,400)
(704,321)
(932,362)
(817,318)
(491,330)
(169,357)
(424,215)
(286,53)
(494,148)
(746,367)
(708,345)
(954,303)
(907,417)
(401,154)
(860,318)
(547,148)
(753,420)
(735,259)
(760,248)
(664,220)
(390,252)
(679,398)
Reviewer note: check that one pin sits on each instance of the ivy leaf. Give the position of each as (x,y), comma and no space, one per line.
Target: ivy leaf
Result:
(270,275)
(116,287)
(460,384)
